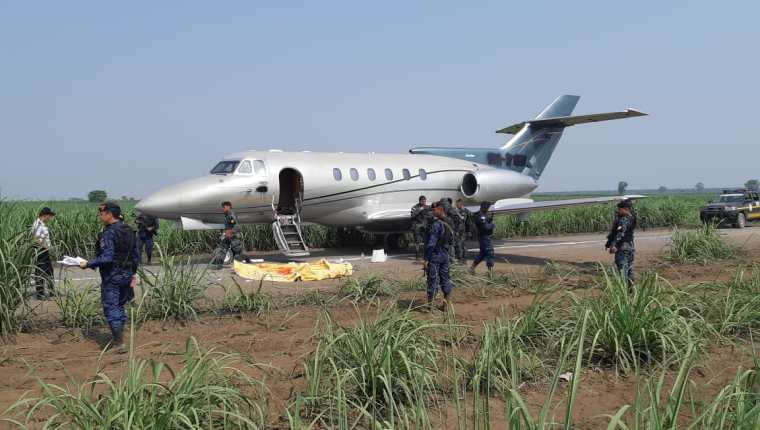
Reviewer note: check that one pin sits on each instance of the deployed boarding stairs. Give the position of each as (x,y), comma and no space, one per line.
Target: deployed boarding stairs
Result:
(287,231)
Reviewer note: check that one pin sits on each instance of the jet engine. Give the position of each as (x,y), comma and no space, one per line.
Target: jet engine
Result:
(495,184)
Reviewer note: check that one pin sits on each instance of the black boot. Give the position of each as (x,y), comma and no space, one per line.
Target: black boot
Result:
(117,341)
(446,302)
(428,307)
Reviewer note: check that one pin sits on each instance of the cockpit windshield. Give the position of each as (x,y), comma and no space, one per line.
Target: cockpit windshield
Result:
(225,167)
(730,198)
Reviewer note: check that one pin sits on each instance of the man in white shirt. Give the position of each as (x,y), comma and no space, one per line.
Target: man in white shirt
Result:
(41,234)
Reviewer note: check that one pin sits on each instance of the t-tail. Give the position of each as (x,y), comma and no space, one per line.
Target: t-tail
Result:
(534,141)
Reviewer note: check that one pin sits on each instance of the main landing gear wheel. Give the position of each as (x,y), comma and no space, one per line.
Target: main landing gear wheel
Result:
(401,242)
(393,242)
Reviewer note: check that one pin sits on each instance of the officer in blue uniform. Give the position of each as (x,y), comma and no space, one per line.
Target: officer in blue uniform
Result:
(485,226)
(437,256)
(117,259)
(147,227)
(421,219)
(620,240)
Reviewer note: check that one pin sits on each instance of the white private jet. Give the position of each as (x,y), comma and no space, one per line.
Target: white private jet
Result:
(373,191)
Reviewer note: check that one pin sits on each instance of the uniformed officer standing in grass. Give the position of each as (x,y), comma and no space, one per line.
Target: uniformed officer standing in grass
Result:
(620,240)
(465,217)
(485,227)
(437,257)
(147,227)
(453,220)
(117,258)
(420,219)
(230,240)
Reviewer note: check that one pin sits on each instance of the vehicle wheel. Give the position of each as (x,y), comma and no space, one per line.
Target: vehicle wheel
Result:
(741,221)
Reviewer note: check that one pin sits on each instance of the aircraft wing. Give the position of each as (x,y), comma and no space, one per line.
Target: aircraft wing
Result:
(521,206)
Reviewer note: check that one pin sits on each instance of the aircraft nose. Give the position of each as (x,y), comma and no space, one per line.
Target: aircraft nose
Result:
(165,203)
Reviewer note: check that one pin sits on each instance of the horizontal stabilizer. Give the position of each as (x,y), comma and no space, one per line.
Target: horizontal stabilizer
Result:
(519,206)
(196,224)
(567,121)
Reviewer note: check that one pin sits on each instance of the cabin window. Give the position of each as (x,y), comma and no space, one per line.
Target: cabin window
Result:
(245,168)
(423,174)
(519,160)
(389,174)
(371,174)
(406,174)
(337,175)
(494,159)
(354,174)
(224,167)
(259,167)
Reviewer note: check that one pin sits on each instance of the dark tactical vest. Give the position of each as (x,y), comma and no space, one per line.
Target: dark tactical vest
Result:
(628,237)
(447,235)
(124,240)
(483,229)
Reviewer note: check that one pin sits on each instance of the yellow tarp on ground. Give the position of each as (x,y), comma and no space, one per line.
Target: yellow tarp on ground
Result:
(292,272)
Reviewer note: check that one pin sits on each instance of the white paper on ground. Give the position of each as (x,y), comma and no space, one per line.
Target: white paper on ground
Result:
(378,256)
(71,261)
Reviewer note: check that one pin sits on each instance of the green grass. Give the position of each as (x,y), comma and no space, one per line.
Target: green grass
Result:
(257,303)
(380,372)
(80,307)
(174,291)
(504,357)
(360,290)
(736,406)
(629,328)
(701,246)
(732,308)
(208,391)
(17,258)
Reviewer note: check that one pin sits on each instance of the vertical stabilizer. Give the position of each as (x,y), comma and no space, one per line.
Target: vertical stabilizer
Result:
(531,148)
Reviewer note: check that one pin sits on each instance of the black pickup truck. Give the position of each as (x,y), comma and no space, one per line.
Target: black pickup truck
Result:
(735,207)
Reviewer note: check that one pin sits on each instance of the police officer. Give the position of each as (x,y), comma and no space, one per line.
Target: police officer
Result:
(485,226)
(437,257)
(620,239)
(465,219)
(147,227)
(420,220)
(230,239)
(453,220)
(117,258)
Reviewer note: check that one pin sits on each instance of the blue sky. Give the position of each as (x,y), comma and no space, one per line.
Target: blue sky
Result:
(133,96)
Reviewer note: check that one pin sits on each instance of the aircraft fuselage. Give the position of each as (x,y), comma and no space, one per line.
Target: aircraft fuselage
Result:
(369,190)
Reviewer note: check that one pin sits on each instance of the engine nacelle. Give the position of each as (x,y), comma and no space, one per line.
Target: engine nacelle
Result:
(495,184)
